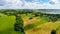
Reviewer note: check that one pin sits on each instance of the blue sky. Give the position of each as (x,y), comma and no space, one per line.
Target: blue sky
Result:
(29,4)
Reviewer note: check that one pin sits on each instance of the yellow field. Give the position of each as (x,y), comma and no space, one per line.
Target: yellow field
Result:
(45,28)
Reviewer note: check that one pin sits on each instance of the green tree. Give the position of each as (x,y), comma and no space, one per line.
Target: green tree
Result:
(18,26)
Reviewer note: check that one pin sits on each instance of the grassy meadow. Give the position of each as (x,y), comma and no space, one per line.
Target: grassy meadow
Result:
(36,25)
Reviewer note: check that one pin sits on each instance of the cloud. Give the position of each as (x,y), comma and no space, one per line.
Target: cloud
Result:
(10,4)
(22,4)
(56,1)
(11,1)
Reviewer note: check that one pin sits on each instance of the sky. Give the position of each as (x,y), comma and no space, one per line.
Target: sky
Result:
(29,4)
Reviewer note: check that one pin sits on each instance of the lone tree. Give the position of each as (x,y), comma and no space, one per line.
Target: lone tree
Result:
(18,26)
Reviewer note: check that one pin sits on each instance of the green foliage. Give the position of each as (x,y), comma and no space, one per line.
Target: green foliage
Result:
(53,32)
(18,26)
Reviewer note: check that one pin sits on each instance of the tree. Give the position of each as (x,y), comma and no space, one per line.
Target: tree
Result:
(18,26)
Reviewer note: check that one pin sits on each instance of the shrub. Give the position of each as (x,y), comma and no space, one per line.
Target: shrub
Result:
(53,32)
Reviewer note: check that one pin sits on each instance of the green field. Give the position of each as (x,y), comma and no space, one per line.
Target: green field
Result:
(40,27)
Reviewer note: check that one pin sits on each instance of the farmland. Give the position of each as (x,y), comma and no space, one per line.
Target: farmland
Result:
(32,24)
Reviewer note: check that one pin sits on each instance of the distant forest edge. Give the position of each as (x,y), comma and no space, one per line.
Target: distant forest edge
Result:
(30,10)
(51,14)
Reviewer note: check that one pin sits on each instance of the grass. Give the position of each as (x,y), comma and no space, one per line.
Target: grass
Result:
(45,28)
(43,20)
(7,24)
(40,27)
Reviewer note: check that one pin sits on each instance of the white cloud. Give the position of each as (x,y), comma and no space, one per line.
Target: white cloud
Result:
(56,1)
(41,6)
(11,2)
(19,4)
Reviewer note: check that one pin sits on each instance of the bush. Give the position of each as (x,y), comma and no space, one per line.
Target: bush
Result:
(31,18)
(53,32)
